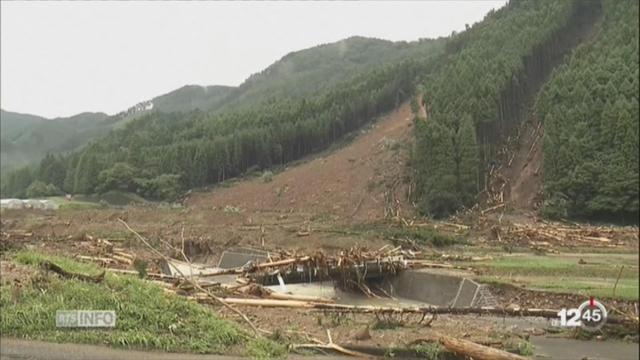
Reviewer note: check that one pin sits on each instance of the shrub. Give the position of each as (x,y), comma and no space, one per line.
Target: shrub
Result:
(40,189)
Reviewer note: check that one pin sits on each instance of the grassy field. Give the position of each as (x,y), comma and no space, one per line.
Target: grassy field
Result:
(585,274)
(147,318)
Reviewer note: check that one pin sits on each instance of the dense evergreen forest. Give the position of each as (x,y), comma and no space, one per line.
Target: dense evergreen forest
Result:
(482,93)
(590,114)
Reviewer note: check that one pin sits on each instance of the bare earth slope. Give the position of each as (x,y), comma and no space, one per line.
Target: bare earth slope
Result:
(524,189)
(362,181)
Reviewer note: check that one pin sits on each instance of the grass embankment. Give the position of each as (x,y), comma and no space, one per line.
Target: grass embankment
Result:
(584,274)
(147,318)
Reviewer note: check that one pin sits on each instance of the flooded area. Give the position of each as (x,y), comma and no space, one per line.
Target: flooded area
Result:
(328,290)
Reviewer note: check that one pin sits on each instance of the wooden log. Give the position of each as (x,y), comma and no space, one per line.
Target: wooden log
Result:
(269,302)
(103,260)
(258,266)
(487,210)
(476,351)
(417,264)
(280,296)
(122,259)
(124,254)
(108,245)
(49,266)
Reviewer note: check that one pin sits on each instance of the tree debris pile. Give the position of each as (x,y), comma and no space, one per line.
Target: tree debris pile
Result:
(549,234)
(105,253)
(349,269)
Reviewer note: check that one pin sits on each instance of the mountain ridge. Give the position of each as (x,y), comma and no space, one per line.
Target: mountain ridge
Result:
(295,75)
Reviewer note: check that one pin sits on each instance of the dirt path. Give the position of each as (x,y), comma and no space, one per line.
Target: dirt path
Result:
(40,350)
(16,349)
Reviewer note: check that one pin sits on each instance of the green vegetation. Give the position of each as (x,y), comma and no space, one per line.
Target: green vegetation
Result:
(430,351)
(423,236)
(147,318)
(311,71)
(595,275)
(479,95)
(520,347)
(590,113)
(262,348)
(40,189)
(191,97)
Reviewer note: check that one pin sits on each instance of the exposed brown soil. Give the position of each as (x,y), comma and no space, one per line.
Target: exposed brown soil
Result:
(355,183)
(524,176)
(509,295)
(516,181)
(386,332)
(11,272)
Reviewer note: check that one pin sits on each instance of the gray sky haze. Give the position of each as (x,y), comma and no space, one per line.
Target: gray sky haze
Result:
(62,58)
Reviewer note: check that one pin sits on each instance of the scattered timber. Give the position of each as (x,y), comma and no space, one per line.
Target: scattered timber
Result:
(476,351)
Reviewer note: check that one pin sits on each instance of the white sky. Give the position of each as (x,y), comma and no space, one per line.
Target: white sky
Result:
(62,58)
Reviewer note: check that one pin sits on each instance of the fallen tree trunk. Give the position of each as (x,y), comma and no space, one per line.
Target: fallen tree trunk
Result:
(476,351)
(49,266)
(122,259)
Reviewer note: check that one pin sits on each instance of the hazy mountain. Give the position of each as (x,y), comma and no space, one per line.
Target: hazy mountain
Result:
(26,138)
(13,124)
(191,97)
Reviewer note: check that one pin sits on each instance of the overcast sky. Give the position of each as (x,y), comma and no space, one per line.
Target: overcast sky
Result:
(62,58)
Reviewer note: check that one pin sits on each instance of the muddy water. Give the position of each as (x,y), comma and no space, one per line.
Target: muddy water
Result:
(545,347)
(327,290)
(560,348)
(569,349)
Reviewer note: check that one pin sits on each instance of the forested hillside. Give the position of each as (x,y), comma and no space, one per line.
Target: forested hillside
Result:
(306,72)
(590,114)
(297,75)
(160,154)
(481,94)
(191,97)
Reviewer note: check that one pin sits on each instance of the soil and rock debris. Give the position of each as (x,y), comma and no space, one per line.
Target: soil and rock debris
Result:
(333,211)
